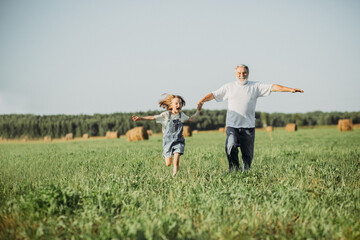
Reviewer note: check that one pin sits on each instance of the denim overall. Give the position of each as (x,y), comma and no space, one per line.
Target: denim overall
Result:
(173,139)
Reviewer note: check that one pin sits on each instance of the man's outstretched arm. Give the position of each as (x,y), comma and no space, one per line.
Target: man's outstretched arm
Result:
(279,88)
(207,98)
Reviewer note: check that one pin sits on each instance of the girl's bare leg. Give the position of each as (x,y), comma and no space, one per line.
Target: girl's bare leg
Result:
(168,161)
(176,163)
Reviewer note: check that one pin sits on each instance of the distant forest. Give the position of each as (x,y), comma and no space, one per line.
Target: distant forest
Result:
(57,126)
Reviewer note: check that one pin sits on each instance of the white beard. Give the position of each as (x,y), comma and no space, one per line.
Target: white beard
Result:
(243,82)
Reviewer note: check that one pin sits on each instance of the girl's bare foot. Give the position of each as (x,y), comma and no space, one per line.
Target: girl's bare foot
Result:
(176,169)
(168,161)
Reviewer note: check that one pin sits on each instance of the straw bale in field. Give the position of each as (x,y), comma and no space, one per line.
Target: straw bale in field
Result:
(25,138)
(137,134)
(195,131)
(345,125)
(222,130)
(291,127)
(111,134)
(149,132)
(269,129)
(86,136)
(187,131)
(47,139)
(69,136)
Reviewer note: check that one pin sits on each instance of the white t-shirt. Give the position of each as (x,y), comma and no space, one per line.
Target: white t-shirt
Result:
(163,118)
(241,101)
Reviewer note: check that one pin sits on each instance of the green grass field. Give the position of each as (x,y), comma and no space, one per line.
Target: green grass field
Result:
(302,185)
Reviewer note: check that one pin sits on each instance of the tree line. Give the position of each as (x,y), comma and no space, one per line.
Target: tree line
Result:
(57,126)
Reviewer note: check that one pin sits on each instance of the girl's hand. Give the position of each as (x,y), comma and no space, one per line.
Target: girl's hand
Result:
(135,118)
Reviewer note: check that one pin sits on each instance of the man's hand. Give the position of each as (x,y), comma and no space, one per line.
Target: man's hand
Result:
(294,90)
(207,98)
(135,118)
(199,106)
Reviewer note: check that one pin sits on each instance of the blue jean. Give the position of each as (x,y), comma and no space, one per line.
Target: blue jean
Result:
(243,138)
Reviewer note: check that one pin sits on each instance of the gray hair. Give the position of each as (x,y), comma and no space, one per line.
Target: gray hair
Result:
(244,66)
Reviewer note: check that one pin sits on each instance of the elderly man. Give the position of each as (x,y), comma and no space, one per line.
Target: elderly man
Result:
(240,118)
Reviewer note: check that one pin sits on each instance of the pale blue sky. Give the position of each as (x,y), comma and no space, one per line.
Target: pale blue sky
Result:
(85,57)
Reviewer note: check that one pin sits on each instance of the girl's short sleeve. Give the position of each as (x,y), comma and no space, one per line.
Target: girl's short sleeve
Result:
(184,117)
(160,118)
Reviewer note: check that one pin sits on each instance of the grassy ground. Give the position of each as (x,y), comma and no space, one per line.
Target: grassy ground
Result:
(301,185)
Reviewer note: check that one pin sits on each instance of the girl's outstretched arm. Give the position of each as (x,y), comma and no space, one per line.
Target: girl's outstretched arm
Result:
(136,118)
(193,117)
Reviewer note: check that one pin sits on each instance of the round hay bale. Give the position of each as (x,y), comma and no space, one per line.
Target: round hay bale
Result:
(345,125)
(269,129)
(111,135)
(291,127)
(222,130)
(47,139)
(137,134)
(149,132)
(195,131)
(187,131)
(69,136)
(86,136)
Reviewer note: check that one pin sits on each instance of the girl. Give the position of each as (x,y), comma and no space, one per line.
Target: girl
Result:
(172,127)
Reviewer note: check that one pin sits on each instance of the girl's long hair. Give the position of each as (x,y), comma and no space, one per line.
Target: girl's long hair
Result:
(166,102)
